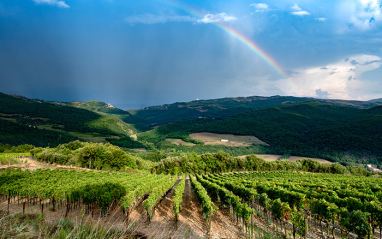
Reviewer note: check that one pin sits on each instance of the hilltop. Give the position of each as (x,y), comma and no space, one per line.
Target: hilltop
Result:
(376,100)
(164,114)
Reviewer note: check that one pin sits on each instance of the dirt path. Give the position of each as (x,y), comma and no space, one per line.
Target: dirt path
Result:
(223,225)
(191,216)
(31,164)
(162,224)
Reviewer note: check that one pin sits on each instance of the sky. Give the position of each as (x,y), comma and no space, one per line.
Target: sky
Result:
(134,54)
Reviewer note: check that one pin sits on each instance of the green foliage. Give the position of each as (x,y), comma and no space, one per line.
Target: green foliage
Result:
(357,170)
(208,207)
(224,162)
(6,158)
(217,108)
(12,133)
(280,209)
(111,125)
(25,148)
(326,210)
(298,219)
(104,194)
(341,134)
(97,106)
(178,197)
(130,200)
(156,194)
(90,155)
(352,201)
(43,123)
(126,142)
(357,222)
(226,197)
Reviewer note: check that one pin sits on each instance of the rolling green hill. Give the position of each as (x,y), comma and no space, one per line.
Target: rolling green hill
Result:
(307,129)
(134,124)
(164,114)
(41,123)
(289,125)
(97,106)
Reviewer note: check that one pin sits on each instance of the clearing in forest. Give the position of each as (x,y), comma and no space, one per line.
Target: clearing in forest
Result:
(275,157)
(227,139)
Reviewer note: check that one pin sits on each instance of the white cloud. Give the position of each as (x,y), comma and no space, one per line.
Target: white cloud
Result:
(156,19)
(301,13)
(298,11)
(296,7)
(321,19)
(337,80)
(57,3)
(260,7)
(360,14)
(220,17)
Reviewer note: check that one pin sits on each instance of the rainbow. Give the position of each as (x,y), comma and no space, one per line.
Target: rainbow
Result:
(251,45)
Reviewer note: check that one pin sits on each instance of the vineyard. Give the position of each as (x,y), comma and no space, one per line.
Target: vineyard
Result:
(303,205)
(11,158)
(290,204)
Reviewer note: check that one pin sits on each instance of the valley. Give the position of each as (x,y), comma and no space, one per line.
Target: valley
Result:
(174,119)
(248,172)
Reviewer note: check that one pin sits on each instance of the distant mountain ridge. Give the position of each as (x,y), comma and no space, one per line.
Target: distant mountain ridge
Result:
(164,114)
(376,100)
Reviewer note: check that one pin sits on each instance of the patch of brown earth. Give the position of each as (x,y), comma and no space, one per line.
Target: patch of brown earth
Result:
(227,139)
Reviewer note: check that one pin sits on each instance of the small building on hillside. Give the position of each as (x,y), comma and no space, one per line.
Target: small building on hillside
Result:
(224,140)
(373,168)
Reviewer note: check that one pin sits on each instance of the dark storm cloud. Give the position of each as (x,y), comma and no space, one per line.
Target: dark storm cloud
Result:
(141,53)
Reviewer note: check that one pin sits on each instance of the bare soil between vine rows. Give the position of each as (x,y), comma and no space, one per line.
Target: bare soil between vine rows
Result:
(191,220)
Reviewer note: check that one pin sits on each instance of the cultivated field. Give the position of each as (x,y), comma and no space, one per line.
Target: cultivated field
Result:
(226,139)
(191,222)
(179,142)
(275,157)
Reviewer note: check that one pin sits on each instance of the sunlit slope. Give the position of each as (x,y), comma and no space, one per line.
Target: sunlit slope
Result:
(133,124)
(49,123)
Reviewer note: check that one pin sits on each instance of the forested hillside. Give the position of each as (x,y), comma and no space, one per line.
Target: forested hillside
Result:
(306,129)
(158,115)
(40,123)
(135,124)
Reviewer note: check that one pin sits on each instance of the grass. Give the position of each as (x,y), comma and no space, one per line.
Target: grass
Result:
(9,119)
(89,137)
(179,141)
(35,226)
(7,158)
(260,233)
(92,137)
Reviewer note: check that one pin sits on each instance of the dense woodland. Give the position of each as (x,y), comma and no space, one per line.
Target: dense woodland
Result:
(341,134)
(216,108)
